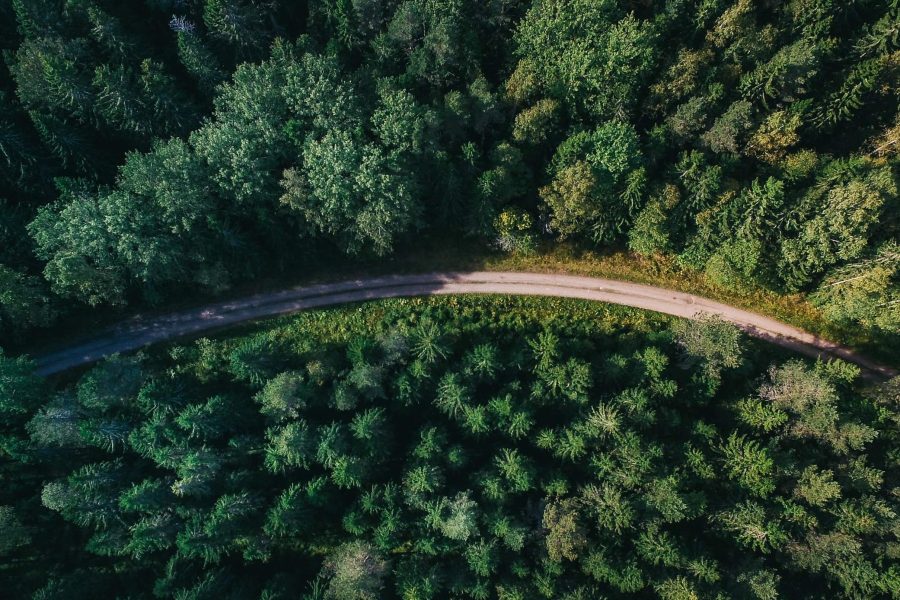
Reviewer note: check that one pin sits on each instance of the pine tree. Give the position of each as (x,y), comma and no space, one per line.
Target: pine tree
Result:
(355,572)
(200,61)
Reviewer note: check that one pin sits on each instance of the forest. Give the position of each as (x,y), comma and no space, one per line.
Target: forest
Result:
(161,148)
(156,154)
(462,447)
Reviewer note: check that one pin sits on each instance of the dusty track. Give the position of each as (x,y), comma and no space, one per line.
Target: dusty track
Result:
(138,332)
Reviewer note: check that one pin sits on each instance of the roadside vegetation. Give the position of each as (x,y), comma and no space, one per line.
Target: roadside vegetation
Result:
(452,447)
(444,254)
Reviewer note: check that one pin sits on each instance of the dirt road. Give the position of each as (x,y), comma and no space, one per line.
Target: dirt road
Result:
(139,332)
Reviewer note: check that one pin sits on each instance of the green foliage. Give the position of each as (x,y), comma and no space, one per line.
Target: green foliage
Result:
(241,23)
(217,141)
(536,124)
(15,535)
(587,54)
(594,171)
(549,447)
(193,145)
(200,61)
(649,235)
(711,341)
(515,231)
(864,290)
(356,571)
(21,391)
(24,301)
(565,535)
(840,229)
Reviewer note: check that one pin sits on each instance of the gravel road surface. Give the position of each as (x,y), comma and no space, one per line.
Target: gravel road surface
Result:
(138,332)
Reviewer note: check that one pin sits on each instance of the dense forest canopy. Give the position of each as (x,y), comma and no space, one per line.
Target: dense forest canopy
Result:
(151,147)
(153,150)
(453,448)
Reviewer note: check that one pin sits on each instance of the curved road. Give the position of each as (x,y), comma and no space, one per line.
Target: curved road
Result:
(139,332)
